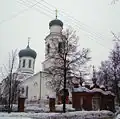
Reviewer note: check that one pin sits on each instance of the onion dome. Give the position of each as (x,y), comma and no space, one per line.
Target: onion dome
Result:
(56,22)
(27,52)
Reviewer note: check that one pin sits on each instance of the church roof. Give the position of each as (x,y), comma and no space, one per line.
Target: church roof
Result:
(56,22)
(27,52)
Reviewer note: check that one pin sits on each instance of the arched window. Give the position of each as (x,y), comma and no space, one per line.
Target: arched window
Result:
(29,63)
(61,46)
(19,63)
(24,63)
(48,48)
(26,91)
(33,64)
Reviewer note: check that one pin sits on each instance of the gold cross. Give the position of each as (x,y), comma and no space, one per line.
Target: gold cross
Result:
(56,12)
(28,40)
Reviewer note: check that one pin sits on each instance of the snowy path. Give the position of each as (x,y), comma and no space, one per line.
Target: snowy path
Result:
(68,115)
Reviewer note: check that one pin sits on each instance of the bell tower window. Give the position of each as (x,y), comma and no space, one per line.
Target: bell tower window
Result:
(48,48)
(29,63)
(60,47)
(23,63)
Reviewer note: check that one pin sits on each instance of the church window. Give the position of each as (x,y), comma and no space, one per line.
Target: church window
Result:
(33,64)
(48,48)
(24,63)
(29,63)
(27,91)
(60,47)
(23,90)
(19,63)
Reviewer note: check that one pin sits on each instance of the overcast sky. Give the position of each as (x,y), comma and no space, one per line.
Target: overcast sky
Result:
(97,18)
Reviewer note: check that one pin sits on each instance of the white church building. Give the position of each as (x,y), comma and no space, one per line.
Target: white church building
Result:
(33,86)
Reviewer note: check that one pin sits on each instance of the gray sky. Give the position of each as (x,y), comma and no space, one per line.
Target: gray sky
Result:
(98,17)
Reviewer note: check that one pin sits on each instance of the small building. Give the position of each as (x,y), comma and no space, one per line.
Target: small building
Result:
(92,99)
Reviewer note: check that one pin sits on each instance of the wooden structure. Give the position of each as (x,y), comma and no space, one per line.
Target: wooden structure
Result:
(52,104)
(61,96)
(21,102)
(94,99)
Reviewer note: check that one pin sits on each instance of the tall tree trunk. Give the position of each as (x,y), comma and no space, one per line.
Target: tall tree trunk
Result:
(64,97)
(9,102)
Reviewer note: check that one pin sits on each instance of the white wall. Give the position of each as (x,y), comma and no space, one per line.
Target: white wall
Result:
(37,88)
(26,68)
(55,29)
(52,40)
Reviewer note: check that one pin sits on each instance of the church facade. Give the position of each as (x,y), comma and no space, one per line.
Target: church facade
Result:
(34,86)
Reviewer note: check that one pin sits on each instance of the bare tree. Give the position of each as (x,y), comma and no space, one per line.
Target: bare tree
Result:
(67,61)
(110,69)
(105,75)
(114,1)
(10,84)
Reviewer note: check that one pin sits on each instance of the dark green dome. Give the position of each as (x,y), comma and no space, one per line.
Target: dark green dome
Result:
(27,52)
(56,22)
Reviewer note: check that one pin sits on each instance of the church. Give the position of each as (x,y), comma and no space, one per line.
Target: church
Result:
(33,86)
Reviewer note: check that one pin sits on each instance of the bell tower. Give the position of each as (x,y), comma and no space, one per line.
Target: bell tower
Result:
(54,37)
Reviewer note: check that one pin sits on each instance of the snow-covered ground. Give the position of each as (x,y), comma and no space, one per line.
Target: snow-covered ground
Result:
(69,115)
(15,118)
(42,112)
(38,108)
(68,107)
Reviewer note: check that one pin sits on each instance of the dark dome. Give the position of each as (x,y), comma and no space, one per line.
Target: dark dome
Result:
(56,22)
(27,52)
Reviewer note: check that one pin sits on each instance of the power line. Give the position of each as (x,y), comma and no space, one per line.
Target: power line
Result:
(33,5)
(26,5)
(29,2)
(71,17)
(75,25)
(17,14)
(73,21)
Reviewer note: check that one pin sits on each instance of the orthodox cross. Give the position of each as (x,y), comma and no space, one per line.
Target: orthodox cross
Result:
(56,12)
(28,41)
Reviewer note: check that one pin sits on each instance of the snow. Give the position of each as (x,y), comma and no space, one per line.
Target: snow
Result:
(101,91)
(36,109)
(38,112)
(118,116)
(52,95)
(68,107)
(15,118)
(70,115)
(81,89)
(84,89)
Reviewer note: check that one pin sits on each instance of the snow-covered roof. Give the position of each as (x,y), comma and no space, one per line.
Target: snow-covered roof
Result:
(84,89)
(81,89)
(101,91)
(102,86)
(52,95)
